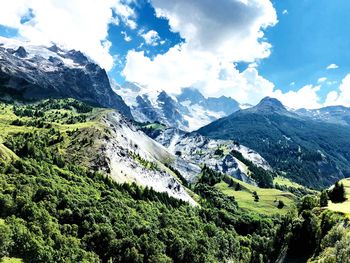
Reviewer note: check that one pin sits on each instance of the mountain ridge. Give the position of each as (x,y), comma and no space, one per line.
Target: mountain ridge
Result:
(312,152)
(32,73)
(188,110)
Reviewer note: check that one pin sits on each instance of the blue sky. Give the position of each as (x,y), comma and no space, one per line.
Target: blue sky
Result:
(313,35)
(246,50)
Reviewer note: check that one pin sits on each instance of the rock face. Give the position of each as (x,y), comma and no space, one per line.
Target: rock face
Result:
(30,73)
(129,155)
(216,154)
(188,111)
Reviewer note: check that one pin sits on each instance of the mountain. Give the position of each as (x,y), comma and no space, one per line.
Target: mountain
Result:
(313,152)
(188,111)
(192,97)
(31,73)
(331,114)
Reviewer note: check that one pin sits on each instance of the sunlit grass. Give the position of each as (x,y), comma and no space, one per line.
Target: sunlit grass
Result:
(268,198)
(345,206)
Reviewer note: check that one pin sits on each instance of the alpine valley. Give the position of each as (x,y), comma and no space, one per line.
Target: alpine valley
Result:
(93,171)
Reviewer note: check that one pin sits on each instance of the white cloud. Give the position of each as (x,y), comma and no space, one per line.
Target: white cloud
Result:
(321,80)
(332,82)
(333,66)
(151,37)
(342,96)
(78,24)
(306,97)
(181,67)
(216,34)
(285,12)
(127,38)
(230,29)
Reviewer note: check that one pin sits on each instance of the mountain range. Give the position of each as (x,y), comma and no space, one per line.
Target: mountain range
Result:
(188,110)
(309,146)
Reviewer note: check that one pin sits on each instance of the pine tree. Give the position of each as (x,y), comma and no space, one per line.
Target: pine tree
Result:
(337,194)
(324,199)
(238,187)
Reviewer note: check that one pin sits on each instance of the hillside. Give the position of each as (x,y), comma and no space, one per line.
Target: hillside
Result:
(310,152)
(57,209)
(60,203)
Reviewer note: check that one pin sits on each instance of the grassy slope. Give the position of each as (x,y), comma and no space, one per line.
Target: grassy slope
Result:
(90,128)
(268,198)
(283,181)
(11,260)
(345,206)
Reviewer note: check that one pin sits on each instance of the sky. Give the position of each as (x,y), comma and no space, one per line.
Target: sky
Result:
(295,51)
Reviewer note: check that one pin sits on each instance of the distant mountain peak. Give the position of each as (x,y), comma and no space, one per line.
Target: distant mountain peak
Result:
(190,94)
(21,52)
(270,104)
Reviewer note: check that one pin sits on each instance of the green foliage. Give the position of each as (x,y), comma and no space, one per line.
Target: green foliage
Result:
(52,209)
(145,163)
(56,211)
(324,199)
(209,176)
(337,193)
(263,177)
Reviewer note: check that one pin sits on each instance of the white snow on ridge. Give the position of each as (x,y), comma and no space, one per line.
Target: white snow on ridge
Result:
(37,51)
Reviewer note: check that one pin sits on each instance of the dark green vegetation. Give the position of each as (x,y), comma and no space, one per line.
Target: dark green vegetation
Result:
(322,235)
(313,153)
(337,193)
(262,177)
(52,209)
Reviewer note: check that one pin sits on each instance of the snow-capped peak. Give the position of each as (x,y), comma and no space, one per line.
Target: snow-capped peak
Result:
(188,110)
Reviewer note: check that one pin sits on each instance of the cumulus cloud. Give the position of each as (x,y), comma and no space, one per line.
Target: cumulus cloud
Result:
(305,97)
(78,24)
(231,29)
(332,66)
(285,12)
(321,80)
(151,37)
(216,34)
(127,38)
(342,96)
